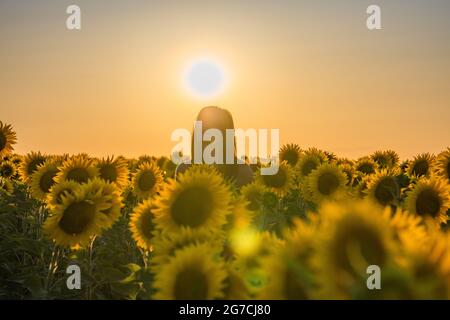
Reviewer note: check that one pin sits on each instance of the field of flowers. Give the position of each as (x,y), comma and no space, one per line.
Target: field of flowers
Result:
(308,232)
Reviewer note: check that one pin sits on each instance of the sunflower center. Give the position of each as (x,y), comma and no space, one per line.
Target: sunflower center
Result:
(46,181)
(428,203)
(291,157)
(328,183)
(191,284)
(77,217)
(420,168)
(277,180)
(147,180)
(32,166)
(254,199)
(7,171)
(308,166)
(366,168)
(2,141)
(386,190)
(147,225)
(192,207)
(108,172)
(79,175)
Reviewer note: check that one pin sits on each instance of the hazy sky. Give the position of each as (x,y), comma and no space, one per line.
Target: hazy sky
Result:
(310,68)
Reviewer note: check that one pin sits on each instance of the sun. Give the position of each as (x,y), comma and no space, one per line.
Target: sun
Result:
(205,78)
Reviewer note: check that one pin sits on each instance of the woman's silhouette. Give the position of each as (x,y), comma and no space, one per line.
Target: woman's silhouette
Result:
(221,119)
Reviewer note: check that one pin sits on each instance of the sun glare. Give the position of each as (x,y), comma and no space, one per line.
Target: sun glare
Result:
(205,78)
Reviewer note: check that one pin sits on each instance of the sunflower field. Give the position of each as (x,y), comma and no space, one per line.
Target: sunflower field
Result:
(308,232)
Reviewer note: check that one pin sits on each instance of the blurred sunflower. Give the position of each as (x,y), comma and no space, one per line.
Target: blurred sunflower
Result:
(309,161)
(254,193)
(194,273)
(43,179)
(366,165)
(141,225)
(114,170)
(29,165)
(353,235)
(7,139)
(79,168)
(6,186)
(429,198)
(290,153)
(147,180)
(383,188)
(421,165)
(281,182)
(235,286)
(240,217)
(199,199)
(442,165)
(7,169)
(60,190)
(167,244)
(78,218)
(327,182)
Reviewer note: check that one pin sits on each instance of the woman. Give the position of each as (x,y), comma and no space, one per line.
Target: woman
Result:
(221,119)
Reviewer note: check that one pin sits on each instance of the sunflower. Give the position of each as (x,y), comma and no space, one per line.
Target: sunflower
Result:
(78,218)
(114,170)
(29,164)
(254,193)
(353,235)
(7,139)
(60,190)
(235,286)
(167,244)
(442,165)
(240,217)
(383,187)
(290,153)
(385,159)
(199,199)
(327,182)
(43,179)
(421,165)
(309,161)
(429,198)
(281,182)
(7,169)
(78,168)
(6,186)
(194,273)
(366,165)
(109,195)
(142,226)
(147,180)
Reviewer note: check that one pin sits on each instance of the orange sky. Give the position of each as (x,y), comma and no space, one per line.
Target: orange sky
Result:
(312,70)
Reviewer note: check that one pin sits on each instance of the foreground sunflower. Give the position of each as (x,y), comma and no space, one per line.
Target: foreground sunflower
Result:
(7,139)
(114,170)
(147,180)
(442,165)
(6,186)
(281,182)
(43,179)
(199,199)
(353,235)
(29,165)
(383,188)
(421,165)
(429,198)
(7,169)
(78,168)
(78,218)
(194,273)
(60,190)
(142,225)
(327,182)
(254,193)
(290,153)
